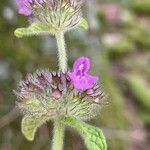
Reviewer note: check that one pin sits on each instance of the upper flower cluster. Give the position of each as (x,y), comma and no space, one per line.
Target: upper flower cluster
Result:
(59,13)
(27,7)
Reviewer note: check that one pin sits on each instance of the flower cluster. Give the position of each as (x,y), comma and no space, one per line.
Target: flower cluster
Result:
(55,93)
(60,14)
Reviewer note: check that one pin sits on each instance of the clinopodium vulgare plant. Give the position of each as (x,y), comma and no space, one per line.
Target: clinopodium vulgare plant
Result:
(67,97)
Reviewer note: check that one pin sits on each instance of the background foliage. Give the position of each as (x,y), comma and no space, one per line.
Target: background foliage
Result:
(118,43)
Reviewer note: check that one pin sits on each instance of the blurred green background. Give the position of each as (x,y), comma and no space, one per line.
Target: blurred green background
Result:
(118,43)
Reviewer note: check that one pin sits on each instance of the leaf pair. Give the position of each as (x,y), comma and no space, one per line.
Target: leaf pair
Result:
(37,28)
(93,136)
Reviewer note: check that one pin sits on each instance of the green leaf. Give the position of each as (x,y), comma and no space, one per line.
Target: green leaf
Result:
(30,125)
(35,28)
(93,136)
(83,24)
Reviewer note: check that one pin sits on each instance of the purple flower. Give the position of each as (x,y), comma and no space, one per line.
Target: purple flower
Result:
(80,77)
(24,7)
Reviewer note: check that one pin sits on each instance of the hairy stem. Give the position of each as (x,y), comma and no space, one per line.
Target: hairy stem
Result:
(58,136)
(62,55)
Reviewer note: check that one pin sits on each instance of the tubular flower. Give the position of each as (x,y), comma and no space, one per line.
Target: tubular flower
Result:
(80,77)
(24,7)
(52,95)
(61,14)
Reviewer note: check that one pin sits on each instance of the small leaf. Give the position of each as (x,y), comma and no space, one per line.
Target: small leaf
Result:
(83,24)
(35,29)
(93,136)
(30,125)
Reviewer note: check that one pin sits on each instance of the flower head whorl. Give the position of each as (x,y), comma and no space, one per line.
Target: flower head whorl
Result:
(52,94)
(61,14)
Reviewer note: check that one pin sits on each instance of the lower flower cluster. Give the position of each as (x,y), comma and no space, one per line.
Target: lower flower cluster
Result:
(53,94)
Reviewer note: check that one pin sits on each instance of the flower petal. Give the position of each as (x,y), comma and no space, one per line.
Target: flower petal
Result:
(83,83)
(23,6)
(82,64)
(25,11)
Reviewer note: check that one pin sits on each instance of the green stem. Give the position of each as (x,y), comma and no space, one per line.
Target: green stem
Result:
(58,136)
(62,55)
(58,125)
